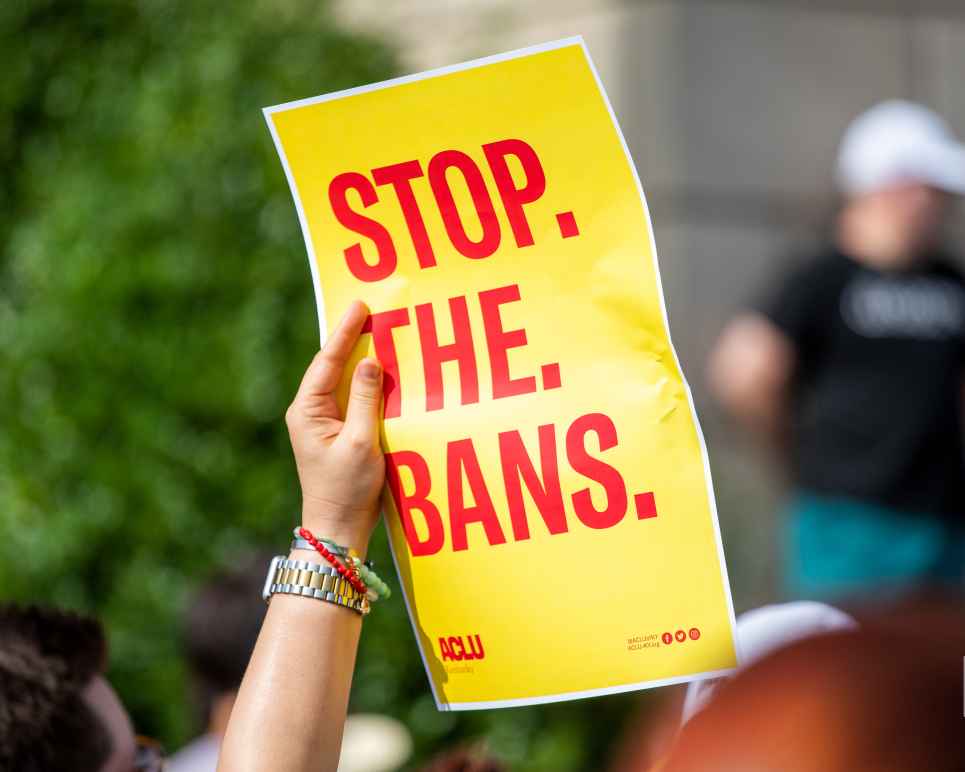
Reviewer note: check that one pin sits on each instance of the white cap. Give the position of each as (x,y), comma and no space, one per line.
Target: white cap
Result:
(373,743)
(899,142)
(764,630)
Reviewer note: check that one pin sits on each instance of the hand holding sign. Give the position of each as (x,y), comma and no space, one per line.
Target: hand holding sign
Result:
(340,464)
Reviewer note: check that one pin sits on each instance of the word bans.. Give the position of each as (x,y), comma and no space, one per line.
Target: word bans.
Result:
(443,167)
(517,471)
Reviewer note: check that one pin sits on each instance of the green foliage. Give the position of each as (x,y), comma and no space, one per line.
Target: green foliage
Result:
(156,314)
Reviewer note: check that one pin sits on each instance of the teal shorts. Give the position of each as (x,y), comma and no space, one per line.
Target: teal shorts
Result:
(843,547)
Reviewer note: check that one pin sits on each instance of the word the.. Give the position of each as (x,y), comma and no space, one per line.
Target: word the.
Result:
(383,327)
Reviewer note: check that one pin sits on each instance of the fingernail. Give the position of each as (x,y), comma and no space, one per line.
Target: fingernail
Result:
(369,369)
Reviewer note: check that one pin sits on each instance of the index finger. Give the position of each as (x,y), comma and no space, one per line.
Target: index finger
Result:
(323,374)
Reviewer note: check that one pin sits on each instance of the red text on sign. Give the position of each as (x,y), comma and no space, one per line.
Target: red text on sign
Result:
(433,327)
(455,648)
(351,193)
(421,517)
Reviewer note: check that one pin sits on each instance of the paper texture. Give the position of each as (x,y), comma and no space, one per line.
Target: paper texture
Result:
(549,503)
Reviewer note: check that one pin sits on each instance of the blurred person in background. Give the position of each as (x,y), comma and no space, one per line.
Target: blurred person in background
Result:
(856,366)
(58,713)
(220,629)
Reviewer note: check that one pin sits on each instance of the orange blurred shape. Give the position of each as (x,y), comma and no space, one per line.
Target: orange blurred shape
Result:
(885,698)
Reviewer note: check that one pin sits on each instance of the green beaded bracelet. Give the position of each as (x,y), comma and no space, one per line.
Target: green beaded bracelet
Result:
(372,580)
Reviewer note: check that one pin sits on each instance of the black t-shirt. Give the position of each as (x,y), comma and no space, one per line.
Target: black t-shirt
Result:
(878,390)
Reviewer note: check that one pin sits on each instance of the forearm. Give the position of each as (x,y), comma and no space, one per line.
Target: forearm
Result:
(290,710)
(292,703)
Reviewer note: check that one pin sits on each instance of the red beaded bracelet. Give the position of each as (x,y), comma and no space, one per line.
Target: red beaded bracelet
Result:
(347,574)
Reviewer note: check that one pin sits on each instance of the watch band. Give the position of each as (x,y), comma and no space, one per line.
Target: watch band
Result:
(312,580)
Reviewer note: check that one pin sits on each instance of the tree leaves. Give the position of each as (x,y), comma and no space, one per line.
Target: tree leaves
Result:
(156,315)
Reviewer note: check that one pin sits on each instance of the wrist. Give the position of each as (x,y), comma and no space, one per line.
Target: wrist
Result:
(349,529)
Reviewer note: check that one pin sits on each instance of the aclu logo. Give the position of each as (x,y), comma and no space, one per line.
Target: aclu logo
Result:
(457,648)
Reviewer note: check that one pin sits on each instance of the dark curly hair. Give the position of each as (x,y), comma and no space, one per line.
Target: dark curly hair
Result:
(47,658)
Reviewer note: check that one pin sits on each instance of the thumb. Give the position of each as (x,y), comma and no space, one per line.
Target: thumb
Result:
(364,403)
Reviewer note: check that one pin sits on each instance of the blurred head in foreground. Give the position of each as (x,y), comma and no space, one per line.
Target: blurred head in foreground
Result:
(898,165)
(886,697)
(57,711)
(759,632)
(764,630)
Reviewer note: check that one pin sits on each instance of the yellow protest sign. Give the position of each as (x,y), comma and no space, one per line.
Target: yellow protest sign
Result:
(549,502)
